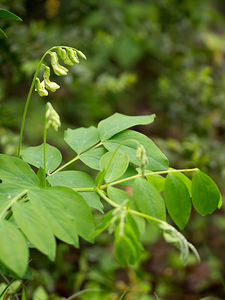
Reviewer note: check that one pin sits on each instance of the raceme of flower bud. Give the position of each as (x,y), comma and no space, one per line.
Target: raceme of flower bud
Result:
(53,118)
(64,56)
(57,68)
(40,88)
(73,56)
(81,54)
(141,155)
(52,86)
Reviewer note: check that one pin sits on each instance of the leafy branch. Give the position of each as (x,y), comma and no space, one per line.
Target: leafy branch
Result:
(38,207)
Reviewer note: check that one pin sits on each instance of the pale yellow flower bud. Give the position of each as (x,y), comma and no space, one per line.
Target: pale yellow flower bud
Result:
(73,56)
(141,155)
(52,86)
(40,88)
(52,116)
(64,56)
(81,54)
(57,68)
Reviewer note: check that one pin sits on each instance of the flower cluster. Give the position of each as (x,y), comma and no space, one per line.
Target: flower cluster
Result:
(69,56)
(52,117)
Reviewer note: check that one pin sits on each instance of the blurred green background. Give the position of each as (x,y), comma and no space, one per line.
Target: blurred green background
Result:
(144,56)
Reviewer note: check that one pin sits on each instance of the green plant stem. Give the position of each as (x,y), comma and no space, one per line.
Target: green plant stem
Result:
(82,292)
(137,213)
(88,189)
(28,99)
(74,159)
(44,143)
(12,202)
(102,194)
(114,153)
(104,186)
(8,285)
(65,165)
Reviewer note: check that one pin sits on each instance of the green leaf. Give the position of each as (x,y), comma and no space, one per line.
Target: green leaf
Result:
(220,202)
(5,271)
(115,165)
(147,199)
(118,122)
(100,178)
(42,177)
(177,200)
(92,158)
(127,244)
(9,15)
(186,181)
(3,33)
(14,170)
(156,159)
(7,193)
(24,297)
(124,250)
(205,193)
(60,221)
(119,196)
(105,223)
(131,171)
(77,179)
(71,204)
(157,180)
(35,157)
(40,294)
(36,228)
(13,251)
(81,139)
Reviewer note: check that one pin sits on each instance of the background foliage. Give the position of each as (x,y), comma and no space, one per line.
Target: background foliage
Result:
(164,57)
